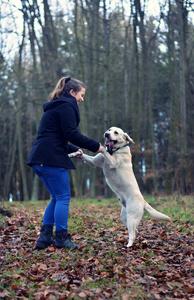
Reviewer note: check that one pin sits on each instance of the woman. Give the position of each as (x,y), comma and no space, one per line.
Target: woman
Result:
(50,161)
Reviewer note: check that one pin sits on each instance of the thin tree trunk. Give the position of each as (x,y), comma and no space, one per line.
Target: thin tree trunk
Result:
(106,76)
(10,166)
(174,106)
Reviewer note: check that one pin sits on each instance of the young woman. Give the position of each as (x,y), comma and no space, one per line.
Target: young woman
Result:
(50,161)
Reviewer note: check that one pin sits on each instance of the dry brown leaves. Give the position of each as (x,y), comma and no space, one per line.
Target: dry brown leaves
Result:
(158,266)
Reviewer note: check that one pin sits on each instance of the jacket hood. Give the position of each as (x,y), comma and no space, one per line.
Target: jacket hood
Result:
(66,98)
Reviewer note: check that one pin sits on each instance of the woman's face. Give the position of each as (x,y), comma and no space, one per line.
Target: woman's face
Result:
(79,96)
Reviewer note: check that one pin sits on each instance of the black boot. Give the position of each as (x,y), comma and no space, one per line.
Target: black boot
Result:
(63,240)
(46,237)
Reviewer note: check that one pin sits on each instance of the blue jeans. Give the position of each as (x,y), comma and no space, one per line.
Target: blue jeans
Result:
(56,181)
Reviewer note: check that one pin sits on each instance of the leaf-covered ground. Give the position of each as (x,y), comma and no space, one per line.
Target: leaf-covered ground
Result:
(158,266)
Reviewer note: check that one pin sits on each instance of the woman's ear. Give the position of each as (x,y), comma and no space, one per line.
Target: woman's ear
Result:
(72,93)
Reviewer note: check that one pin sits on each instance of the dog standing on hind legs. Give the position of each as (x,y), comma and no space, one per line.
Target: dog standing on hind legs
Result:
(117,168)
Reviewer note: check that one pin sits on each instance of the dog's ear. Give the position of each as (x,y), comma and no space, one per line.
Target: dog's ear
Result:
(127,137)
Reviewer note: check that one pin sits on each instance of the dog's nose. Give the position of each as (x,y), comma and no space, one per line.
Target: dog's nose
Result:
(107,135)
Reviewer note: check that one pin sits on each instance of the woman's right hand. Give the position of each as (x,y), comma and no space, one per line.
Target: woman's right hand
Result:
(101,149)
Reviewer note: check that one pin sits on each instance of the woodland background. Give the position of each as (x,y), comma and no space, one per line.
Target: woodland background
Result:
(139,72)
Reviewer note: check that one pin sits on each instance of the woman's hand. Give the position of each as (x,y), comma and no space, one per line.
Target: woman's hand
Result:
(101,149)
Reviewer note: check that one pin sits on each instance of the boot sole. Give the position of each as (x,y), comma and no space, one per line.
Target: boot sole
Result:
(41,246)
(64,247)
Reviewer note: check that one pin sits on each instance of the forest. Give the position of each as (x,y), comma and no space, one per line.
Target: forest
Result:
(138,67)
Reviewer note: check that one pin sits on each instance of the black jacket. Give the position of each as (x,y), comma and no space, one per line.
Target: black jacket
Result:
(58,126)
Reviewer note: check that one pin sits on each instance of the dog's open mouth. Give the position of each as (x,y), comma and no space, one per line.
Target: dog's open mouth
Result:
(110,143)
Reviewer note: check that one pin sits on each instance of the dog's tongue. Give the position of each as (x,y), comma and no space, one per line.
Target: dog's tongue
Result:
(111,144)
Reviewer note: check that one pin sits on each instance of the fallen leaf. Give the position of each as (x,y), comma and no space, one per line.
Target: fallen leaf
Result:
(43,267)
(125,297)
(4,293)
(188,288)
(82,295)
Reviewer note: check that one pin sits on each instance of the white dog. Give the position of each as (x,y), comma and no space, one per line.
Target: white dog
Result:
(117,168)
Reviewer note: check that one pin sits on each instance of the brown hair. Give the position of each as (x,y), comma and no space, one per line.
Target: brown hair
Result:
(65,84)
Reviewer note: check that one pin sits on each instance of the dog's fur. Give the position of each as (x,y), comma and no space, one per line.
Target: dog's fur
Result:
(117,168)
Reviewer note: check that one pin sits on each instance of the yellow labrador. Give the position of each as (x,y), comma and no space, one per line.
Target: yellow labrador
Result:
(117,168)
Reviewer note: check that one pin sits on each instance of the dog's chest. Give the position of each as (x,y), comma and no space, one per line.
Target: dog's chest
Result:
(113,177)
(116,162)
(117,172)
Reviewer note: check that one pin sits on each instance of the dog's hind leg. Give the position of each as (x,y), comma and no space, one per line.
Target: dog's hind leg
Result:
(124,216)
(132,235)
(132,229)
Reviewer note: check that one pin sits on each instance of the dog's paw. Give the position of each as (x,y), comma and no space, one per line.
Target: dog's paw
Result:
(130,243)
(74,154)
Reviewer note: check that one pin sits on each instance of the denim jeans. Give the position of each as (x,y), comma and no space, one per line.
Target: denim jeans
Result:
(56,181)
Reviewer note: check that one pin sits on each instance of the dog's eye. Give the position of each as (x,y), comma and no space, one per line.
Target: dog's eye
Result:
(116,132)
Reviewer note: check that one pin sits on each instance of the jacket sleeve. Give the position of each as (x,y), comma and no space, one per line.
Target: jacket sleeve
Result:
(68,122)
(71,148)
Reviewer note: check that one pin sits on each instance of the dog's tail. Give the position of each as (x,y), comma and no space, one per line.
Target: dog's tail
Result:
(156,214)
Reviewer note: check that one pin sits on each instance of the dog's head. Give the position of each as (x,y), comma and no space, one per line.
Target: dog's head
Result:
(116,138)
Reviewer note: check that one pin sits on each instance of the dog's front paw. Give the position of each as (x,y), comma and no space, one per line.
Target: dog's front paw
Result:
(75,154)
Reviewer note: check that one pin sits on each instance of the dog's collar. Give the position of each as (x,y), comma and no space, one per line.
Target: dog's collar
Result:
(112,150)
